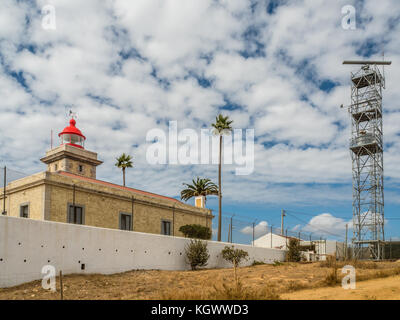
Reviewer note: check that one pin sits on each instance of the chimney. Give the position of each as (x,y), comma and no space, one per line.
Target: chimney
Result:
(200,202)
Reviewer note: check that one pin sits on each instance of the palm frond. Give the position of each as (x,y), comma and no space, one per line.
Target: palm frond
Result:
(222,125)
(199,187)
(124,161)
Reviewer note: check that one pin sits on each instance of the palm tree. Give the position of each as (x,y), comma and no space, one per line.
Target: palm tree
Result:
(199,187)
(123,162)
(221,126)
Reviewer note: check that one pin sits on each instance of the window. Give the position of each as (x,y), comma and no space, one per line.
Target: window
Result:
(80,168)
(75,214)
(166,227)
(125,221)
(24,211)
(55,167)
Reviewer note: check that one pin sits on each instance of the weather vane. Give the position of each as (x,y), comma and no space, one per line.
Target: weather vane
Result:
(71,113)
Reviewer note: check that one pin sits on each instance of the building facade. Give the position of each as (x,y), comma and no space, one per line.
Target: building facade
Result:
(69,192)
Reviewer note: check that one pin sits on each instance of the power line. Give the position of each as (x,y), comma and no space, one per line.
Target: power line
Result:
(315,215)
(325,231)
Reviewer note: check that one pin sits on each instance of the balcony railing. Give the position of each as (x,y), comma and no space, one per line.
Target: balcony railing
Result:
(366,139)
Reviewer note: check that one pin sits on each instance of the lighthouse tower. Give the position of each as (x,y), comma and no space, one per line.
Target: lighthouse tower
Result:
(71,155)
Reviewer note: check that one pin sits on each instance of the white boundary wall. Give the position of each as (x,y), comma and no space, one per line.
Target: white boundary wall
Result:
(27,245)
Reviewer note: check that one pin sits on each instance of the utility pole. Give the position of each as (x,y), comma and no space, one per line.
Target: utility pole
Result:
(282,215)
(4,192)
(345,252)
(231,228)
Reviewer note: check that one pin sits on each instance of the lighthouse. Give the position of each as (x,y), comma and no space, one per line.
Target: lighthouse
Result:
(71,155)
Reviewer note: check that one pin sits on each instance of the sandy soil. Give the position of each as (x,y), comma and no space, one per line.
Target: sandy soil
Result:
(376,289)
(153,284)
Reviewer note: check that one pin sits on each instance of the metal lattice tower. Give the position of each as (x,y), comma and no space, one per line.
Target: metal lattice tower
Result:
(366,148)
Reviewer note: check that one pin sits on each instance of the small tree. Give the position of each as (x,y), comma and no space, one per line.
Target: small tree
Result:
(124,161)
(294,253)
(196,231)
(197,253)
(234,256)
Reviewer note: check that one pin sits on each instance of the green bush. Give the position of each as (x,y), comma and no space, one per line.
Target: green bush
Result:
(196,253)
(257,263)
(234,256)
(277,263)
(294,253)
(196,231)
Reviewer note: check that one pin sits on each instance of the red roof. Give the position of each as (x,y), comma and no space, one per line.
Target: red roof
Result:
(72,129)
(68,174)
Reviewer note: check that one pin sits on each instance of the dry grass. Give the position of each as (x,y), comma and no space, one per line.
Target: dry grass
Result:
(256,282)
(331,262)
(225,292)
(295,286)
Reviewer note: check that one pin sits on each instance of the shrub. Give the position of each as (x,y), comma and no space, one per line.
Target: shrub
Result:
(329,262)
(331,278)
(196,253)
(196,231)
(294,253)
(257,263)
(234,256)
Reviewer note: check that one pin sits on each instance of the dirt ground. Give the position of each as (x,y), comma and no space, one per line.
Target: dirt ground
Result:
(376,289)
(154,284)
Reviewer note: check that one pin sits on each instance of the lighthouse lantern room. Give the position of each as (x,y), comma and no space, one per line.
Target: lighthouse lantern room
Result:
(71,135)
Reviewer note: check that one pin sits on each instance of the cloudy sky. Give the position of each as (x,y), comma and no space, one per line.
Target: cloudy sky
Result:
(127,67)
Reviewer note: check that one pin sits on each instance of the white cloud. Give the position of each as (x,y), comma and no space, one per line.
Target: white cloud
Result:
(327,224)
(259,229)
(131,66)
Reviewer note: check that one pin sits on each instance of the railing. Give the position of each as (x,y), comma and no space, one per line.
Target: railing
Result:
(365,139)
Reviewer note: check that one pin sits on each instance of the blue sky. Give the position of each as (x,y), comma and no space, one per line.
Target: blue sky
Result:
(273,66)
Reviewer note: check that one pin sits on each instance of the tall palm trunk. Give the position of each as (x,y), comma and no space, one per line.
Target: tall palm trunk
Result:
(219,189)
(123,175)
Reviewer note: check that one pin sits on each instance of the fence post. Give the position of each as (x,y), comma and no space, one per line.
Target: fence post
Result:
(271,237)
(61,286)
(253,233)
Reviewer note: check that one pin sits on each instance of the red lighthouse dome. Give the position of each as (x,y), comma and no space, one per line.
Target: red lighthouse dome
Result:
(72,135)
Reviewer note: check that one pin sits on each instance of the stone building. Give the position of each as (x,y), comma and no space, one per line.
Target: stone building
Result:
(68,191)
